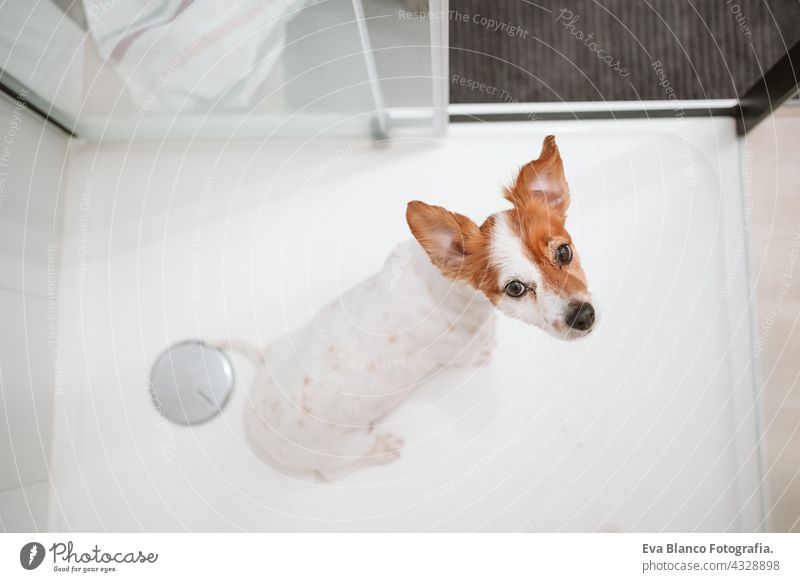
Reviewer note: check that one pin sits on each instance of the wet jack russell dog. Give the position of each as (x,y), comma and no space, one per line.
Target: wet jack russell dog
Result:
(321,392)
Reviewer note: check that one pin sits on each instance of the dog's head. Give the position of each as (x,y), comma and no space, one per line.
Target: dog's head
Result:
(522,259)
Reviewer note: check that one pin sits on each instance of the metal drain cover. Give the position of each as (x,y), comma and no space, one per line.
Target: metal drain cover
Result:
(191,382)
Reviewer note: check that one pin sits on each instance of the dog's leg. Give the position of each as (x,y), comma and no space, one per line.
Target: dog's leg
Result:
(479,345)
(384,449)
(358,449)
(483,354)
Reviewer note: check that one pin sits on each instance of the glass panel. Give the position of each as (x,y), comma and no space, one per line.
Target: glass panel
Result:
(114,69)
(41,57)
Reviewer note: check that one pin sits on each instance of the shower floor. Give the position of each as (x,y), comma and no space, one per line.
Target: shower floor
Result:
(649,424)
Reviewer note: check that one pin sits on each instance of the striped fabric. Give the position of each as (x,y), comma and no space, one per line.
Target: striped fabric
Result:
(190,55)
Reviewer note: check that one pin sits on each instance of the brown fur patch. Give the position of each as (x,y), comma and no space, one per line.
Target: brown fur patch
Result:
(540,195)
(456,245)
(462,250)
(542,179)
(541,233)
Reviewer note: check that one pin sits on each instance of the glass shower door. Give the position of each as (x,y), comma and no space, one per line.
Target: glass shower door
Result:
(138,69)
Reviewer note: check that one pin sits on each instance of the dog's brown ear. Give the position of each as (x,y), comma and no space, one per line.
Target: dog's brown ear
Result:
(449,238)
(542,179)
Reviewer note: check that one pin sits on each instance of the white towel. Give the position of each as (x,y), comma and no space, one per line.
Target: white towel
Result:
(190,54)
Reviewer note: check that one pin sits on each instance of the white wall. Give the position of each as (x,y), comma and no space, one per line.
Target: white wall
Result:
(32,156)
(772,177)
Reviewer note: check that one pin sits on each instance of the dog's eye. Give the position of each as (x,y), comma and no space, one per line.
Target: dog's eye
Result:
(515,289)
(564,254)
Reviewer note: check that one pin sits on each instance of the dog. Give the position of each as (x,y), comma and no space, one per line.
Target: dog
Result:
(318,399)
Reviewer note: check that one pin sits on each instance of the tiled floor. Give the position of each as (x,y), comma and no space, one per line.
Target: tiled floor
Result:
(771,162)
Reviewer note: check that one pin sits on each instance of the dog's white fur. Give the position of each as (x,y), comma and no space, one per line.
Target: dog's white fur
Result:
(319,397)
(317,403)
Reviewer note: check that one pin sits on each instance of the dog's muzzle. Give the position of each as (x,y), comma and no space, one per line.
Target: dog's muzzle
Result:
(580,316)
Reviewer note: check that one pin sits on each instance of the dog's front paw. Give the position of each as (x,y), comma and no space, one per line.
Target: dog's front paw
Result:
(482,357)
(387,448)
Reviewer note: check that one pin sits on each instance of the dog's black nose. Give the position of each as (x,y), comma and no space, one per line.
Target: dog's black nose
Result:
(580,316)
